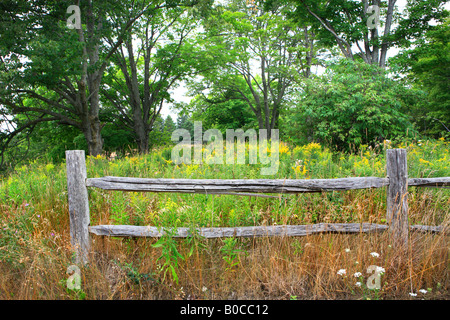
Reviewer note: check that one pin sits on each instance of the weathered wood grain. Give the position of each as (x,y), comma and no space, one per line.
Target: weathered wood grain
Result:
(432,229)
(78,204)
(443,182)
(253,231)
(217,186)
(397,195)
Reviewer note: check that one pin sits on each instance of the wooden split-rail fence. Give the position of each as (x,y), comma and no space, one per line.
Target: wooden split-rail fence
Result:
(397,184)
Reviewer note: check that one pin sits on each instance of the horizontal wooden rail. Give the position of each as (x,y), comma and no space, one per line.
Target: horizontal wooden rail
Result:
(429,182)
(236,186)
(253,231)
(217,186)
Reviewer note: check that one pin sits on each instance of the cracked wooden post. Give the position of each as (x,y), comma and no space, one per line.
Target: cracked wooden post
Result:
(78,204)
(397,195)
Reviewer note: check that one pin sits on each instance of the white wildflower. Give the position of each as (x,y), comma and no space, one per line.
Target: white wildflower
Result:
(412,294)
(204,289)
(374,254)
(423,291)
(347,250)
(358,284)
(341,272)
(357,274)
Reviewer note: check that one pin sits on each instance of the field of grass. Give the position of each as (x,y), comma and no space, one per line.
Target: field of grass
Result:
(35,250)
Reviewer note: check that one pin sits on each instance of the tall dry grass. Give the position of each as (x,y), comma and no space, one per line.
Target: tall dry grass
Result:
(266,268)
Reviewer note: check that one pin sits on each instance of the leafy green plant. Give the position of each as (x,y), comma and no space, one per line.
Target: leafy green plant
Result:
(230,252)
(169,253)
(118,208)
(134,275)
(354,103)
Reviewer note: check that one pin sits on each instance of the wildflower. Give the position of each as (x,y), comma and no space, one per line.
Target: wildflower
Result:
(341,272)
(425,161)
(374,254)
(283,148)
(412,294)
(204,289)
(347,250)
(357,274)
(52,234)
(38,215)
(27,204)
(423,291)
(358,284)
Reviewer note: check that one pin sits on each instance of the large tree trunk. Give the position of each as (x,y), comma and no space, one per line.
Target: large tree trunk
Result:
(89,86)
(95,142)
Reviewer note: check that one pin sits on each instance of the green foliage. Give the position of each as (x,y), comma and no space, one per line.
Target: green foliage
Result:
(255,59)
(230,252)
(133,273)
(116,139)
(343,24)
(427,66)
(352,104)
(231,114)
(14,232)
(169,253)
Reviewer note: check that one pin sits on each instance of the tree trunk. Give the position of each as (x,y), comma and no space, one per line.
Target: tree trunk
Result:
(89,98)
(95,144)
(387,30)
(141,133)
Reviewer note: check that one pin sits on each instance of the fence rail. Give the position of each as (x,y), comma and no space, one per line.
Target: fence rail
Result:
(396,182)
(217,186)
(256,231)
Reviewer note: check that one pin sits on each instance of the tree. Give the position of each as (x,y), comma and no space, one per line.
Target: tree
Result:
(164,56)
(68,65)
(184,122)
(259,57)
(62,69)
(427,67)
(344,23)
(231,114)
(354,103)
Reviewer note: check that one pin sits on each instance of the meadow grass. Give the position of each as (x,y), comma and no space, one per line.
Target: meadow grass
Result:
(35,249)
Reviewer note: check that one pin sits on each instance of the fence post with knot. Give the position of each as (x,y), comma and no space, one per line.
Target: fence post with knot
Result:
(78,204)
(397,195)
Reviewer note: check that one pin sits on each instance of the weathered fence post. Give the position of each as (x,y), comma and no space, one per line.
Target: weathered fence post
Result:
(78,204)
(397,195)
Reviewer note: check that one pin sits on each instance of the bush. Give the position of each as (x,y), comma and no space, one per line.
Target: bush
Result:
(353,103)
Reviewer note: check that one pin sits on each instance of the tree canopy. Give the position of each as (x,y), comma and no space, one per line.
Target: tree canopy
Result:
(340,72)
